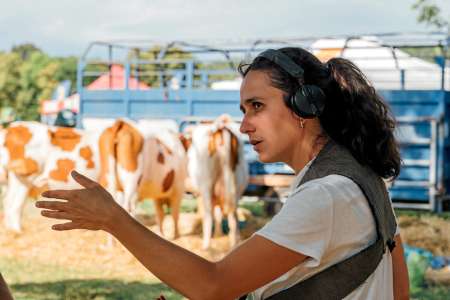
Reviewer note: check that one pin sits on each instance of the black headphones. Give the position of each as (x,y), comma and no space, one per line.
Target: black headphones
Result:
(309,100)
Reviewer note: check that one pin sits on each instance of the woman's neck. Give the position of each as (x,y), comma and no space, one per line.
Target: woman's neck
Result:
(306,151)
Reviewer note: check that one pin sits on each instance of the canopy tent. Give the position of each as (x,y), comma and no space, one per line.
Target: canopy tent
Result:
(387,67)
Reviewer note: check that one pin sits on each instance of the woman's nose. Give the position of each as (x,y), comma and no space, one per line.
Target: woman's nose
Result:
(245,127)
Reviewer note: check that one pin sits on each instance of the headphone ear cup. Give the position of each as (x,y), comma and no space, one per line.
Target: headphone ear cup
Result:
(308,102)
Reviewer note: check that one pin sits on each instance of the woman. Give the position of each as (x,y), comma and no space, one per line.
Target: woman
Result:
(5,294)
(307,115)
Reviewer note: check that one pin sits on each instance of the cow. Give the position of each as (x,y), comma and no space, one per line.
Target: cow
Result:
(218,173)
(37,157)
(138,163)
(3,161)
(71,149)
(25,148)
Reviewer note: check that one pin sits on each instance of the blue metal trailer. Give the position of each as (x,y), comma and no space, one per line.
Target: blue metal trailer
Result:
(422,115)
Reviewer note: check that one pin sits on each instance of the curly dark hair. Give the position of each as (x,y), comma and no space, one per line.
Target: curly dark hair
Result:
(355,116)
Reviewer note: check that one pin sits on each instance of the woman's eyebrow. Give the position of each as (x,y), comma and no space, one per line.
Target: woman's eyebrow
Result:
(250,100)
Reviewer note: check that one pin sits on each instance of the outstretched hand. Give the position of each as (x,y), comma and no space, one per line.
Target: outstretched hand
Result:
(90,208)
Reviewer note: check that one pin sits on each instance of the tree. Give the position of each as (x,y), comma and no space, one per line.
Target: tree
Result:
(67,70)
(27,104)
(9,78)
(430,14)
(147,72)
(25,50)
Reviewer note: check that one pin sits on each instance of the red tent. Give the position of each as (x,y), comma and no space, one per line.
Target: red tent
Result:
(113,80)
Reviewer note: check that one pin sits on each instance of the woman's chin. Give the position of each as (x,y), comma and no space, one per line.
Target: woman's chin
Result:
(265,159)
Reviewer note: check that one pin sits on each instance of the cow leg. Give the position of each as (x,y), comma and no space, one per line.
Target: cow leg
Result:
(133,204)
(159,209)
(129,181)
(119,197)
(207,220)
(217,221)
(3,191)
(13,202)
(130,199)
(234,230)
(175,211)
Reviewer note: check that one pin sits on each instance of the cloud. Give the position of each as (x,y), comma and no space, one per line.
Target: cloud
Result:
(66,27)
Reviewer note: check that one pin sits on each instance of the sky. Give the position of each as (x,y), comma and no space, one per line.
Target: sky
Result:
(66,27)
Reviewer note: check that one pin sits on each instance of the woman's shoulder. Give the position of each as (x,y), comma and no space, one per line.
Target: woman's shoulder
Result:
(334,185)
(333,194)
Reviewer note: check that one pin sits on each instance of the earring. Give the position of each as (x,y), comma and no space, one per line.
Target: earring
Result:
(302,123)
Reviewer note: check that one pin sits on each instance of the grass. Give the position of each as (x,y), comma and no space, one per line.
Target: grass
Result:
(33,281)
(432,293)
(31,278)
(420,213)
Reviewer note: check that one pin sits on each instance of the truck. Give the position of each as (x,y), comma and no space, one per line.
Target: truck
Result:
(189,82)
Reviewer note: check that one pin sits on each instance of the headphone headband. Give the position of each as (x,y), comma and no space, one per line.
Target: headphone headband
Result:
(284,61)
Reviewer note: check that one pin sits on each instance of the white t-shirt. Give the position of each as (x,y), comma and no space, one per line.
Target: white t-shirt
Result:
(327,219)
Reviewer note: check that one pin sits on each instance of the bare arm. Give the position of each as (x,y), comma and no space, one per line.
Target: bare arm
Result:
(5,294)
(401,281)
(198,278)
(191,275)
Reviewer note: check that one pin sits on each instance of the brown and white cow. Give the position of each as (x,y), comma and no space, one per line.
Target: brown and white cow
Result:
(37,157)
(24,151)
(138,163)
(3,162)
(219,173)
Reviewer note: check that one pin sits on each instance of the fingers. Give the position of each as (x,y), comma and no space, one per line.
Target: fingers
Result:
(66,226)
(83,180)
(59,215)
(51,205)
(60,194)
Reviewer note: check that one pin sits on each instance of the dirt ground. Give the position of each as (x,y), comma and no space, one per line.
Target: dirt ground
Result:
(431,233)
(81,249)
(427,232)
(85,249)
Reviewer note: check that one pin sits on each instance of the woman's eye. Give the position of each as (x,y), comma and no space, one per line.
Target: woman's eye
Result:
(256,105)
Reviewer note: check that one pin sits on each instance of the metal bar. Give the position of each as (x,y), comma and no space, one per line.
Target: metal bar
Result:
(422,142)
(109,65)
(402,79)
(80,67)
(189,84)
(416,162)
(433,164)
(411,183)
(425,206)
(414,119)
(126,100)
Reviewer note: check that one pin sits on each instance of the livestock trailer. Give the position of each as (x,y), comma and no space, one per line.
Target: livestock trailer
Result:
(189,82)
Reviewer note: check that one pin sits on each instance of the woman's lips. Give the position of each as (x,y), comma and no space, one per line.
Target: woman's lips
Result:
(257,146)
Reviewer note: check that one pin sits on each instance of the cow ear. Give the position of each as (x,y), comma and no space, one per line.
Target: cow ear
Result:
(186,140)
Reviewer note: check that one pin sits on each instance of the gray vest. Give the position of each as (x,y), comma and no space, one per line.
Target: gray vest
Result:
(339,280)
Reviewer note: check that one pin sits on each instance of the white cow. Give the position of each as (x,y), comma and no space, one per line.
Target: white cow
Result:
(138,163)
(219,173)
(37,157)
